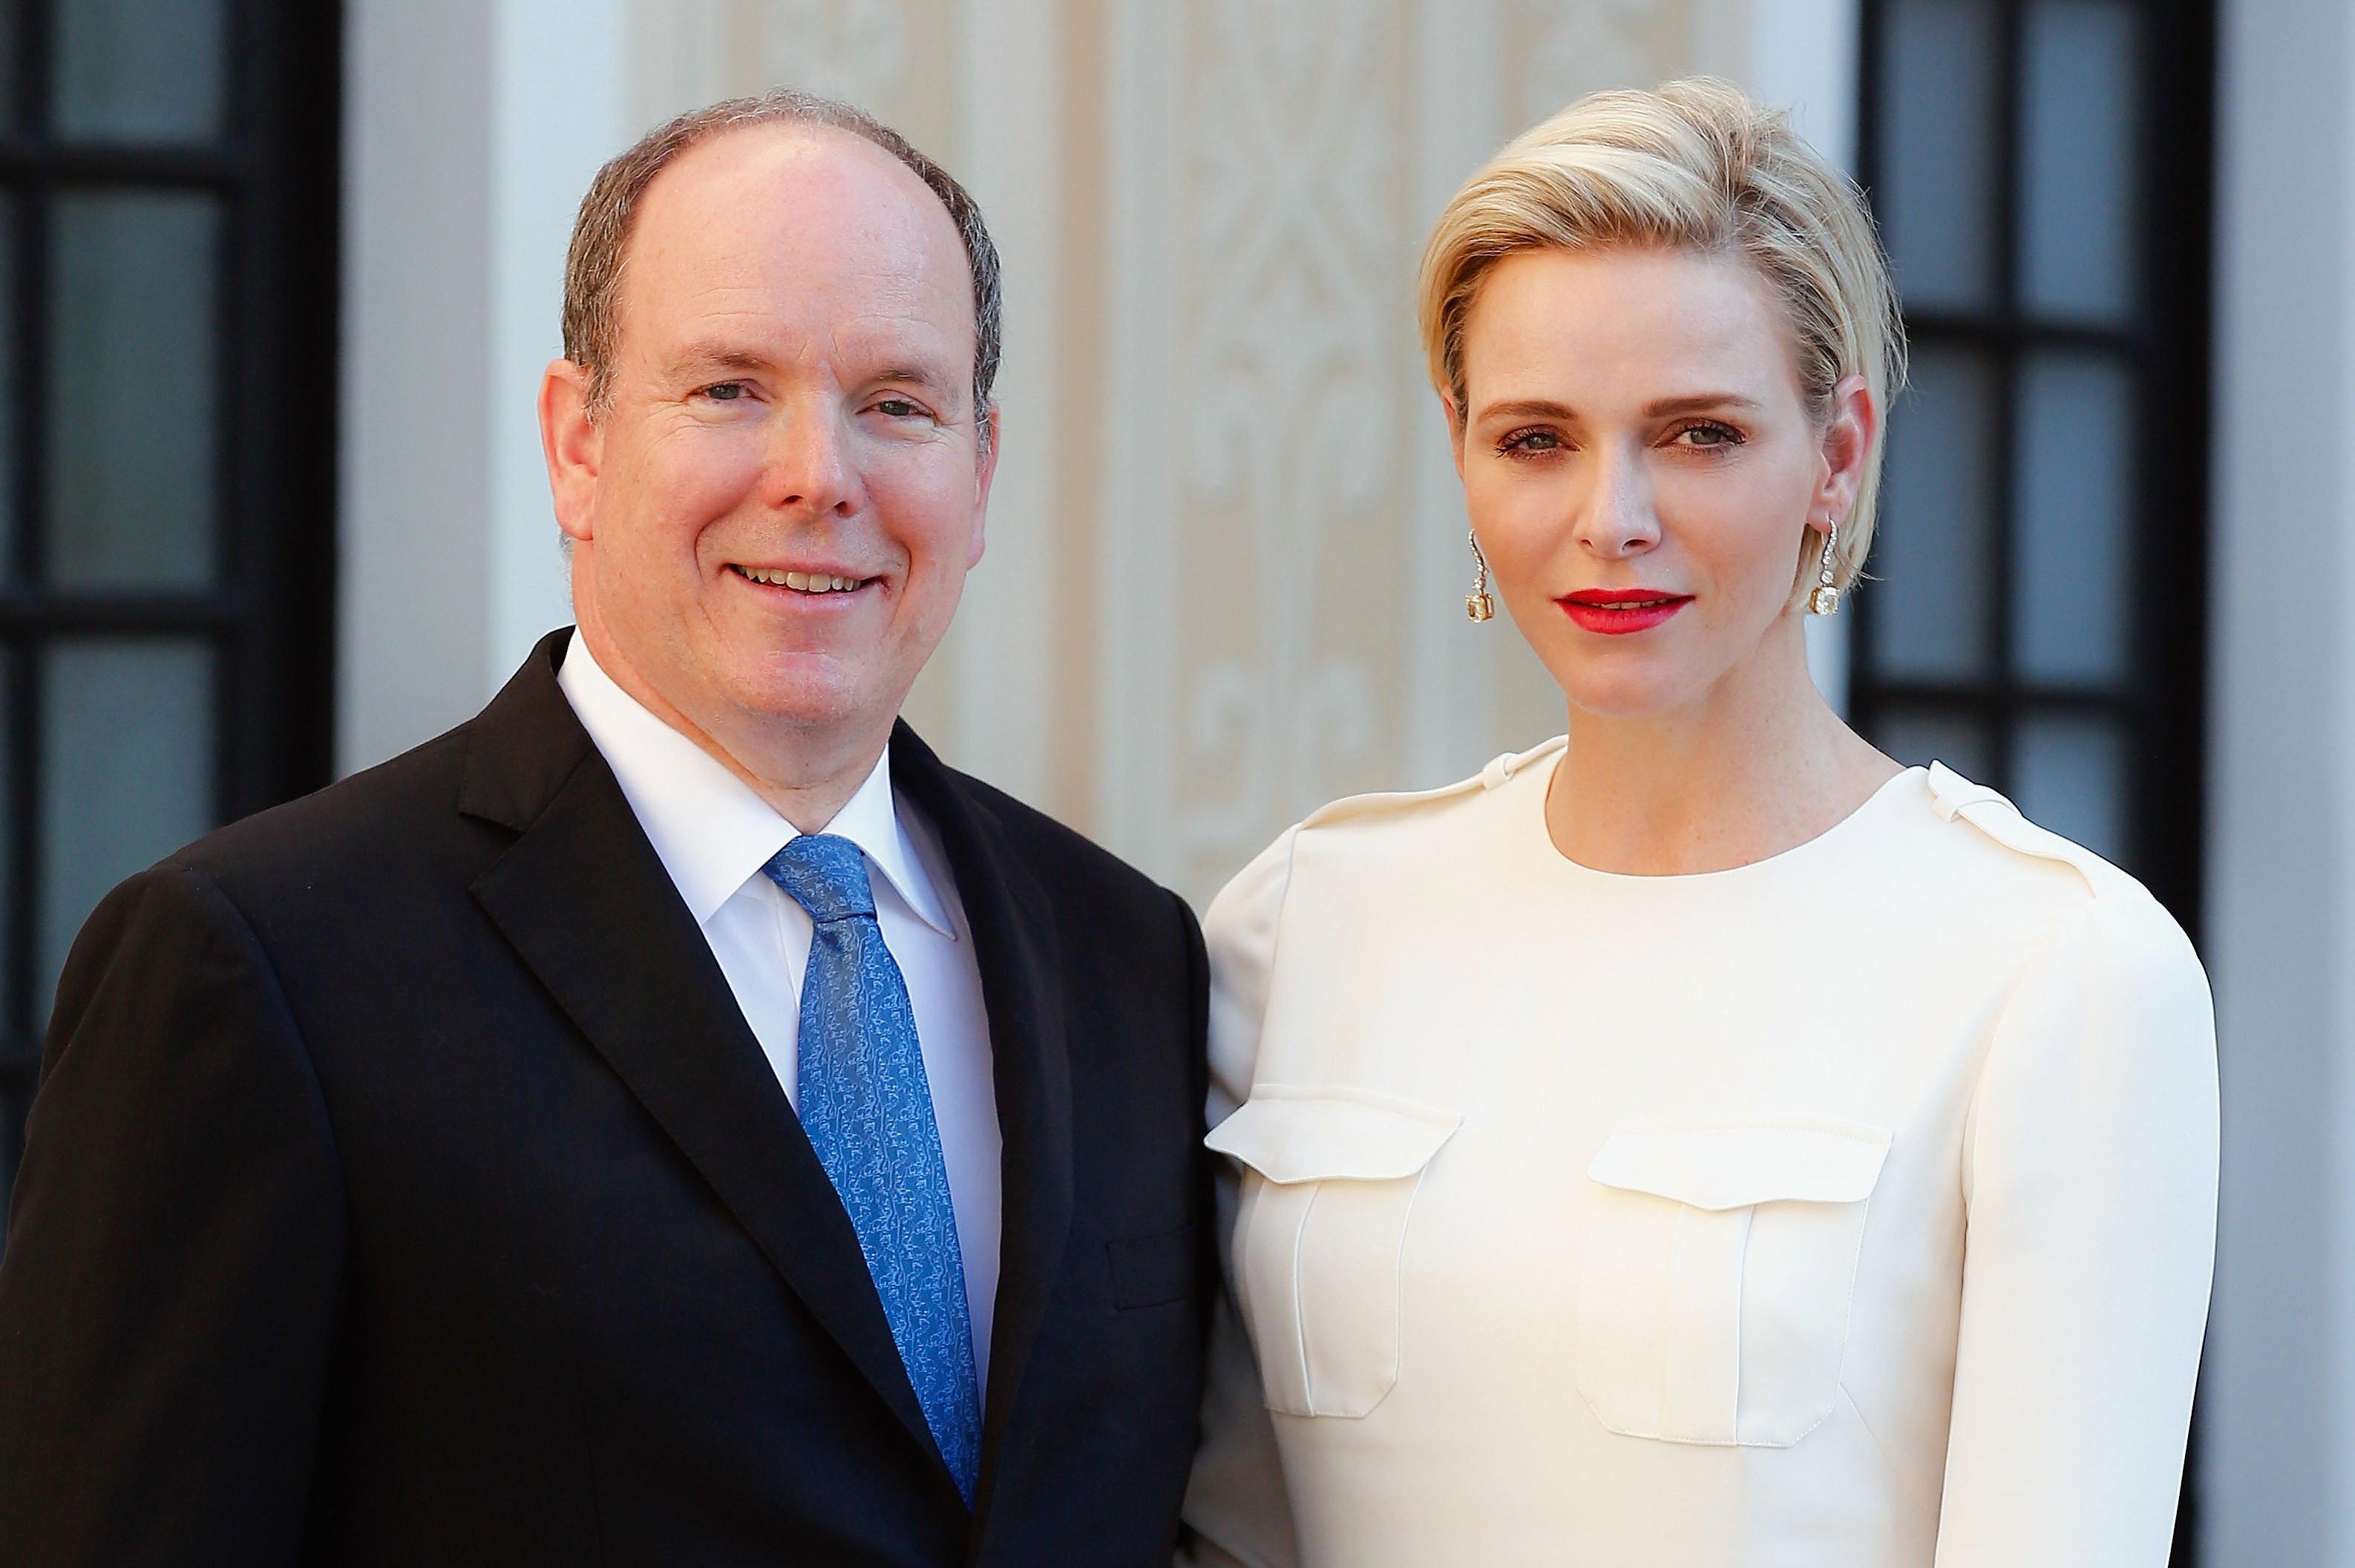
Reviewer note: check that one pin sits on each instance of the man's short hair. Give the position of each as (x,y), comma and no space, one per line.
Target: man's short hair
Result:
(601,234)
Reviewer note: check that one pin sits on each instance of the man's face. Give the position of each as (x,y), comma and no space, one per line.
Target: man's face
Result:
(774,520)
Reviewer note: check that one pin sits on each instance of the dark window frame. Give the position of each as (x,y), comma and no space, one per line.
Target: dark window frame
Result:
(269,615)
(2169,346)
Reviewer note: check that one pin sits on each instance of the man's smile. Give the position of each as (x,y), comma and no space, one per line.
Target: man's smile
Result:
(805,583)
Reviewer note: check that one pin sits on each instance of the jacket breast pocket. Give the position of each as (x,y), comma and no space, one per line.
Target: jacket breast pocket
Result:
(1329,1183)
(1714,1293)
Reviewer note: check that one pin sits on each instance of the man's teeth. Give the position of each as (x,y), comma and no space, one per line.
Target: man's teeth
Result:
(807,582)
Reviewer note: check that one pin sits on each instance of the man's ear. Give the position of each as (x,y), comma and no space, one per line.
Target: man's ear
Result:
(991,432)
(574,446)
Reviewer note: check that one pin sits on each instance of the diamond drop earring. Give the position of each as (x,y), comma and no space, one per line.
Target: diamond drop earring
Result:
(1478,605)
(1825,600)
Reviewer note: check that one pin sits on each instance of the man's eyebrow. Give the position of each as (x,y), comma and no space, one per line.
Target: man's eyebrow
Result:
(720,357)
(916,375)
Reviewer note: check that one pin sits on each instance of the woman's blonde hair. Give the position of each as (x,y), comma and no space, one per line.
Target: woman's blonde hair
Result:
(1697,166)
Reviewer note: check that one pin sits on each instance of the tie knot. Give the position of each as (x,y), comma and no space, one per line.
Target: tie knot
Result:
(826,875)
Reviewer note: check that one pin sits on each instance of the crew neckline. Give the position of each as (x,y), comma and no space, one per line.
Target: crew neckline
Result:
(1807,848)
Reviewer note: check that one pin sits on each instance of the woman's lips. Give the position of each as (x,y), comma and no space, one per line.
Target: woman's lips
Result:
(1616,612)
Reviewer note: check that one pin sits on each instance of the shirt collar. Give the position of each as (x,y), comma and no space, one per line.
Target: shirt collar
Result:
(711,832)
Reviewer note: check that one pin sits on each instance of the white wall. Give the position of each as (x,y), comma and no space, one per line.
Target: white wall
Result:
(472,131)
(2279,1387)
(410,621)
(1803,57)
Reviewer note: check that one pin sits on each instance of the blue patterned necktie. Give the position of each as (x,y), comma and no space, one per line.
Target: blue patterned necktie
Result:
(868,1108)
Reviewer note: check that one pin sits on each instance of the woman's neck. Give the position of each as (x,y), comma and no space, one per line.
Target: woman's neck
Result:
(1759,766)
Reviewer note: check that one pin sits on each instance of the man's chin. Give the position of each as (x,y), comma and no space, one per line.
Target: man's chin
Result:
(816,696)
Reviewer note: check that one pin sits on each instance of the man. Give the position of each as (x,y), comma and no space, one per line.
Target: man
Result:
(671,1118)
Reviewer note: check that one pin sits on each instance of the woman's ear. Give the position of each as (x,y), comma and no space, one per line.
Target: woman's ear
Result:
(1454,431)
(1846,447)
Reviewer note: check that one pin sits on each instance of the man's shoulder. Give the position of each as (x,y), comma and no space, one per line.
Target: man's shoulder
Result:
(380,827)
(437,811)
(1065,863)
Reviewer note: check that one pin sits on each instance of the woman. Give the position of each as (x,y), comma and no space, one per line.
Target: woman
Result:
(1698,1140)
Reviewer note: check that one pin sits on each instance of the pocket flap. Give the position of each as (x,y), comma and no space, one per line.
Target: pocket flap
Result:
(1731,1165)
(1289,1135)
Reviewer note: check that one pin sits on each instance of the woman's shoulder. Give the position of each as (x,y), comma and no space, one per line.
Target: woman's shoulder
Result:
(1362,833)
(2011,870)
(1376,818)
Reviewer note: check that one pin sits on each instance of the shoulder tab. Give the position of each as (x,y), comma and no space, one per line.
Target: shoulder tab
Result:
(1504,767)
(1494,774)
(1952,796)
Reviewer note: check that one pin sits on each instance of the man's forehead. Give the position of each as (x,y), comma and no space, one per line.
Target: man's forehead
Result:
(808,211)
(798,187)
(865,346)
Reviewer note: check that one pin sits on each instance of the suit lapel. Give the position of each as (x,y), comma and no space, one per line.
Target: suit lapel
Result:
(1021,981)
(585,901)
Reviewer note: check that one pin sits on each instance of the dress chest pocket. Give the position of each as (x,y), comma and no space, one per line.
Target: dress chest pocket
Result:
(1714,1292)
(1329,1183)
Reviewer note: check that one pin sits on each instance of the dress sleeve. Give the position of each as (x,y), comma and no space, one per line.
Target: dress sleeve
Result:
(2089,1172)
(1236,1509)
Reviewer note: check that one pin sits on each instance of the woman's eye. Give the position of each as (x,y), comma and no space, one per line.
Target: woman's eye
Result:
(1708,435)
(1529,441)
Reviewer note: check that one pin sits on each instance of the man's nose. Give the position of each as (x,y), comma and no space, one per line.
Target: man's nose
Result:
(809,467)
(1618,518)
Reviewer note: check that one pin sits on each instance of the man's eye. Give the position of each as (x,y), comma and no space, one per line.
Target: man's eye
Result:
(726,392)
(897,408)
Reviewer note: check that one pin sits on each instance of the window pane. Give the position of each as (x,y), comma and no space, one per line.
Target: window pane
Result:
(2070,564)
(1933,545)
(2071,776)
(12,36)
(1937,176)
(1917,738)
(141,71)
(132,389)
(9,360)
(2080,157)
(8,809)
(126,773)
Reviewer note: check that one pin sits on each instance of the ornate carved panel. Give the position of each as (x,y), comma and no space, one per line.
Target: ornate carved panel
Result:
(1287,413)
(896,59)
(1250,546)
(1564,50)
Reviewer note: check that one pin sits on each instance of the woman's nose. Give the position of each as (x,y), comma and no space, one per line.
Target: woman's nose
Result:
(1618,519)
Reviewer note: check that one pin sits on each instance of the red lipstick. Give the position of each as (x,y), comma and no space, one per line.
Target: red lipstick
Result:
(1616,612)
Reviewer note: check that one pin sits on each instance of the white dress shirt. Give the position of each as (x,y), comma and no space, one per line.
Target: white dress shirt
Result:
(1853,1208)
(714,835)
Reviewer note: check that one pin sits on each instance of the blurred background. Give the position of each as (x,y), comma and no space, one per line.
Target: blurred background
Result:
(278,279)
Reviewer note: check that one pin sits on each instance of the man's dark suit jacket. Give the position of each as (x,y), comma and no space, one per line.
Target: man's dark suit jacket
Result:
(405,1186)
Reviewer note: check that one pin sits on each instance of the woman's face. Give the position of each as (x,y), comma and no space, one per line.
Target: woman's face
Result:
(1641,468)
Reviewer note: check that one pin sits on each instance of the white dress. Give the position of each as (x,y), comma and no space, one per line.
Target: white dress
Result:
(1854,1207)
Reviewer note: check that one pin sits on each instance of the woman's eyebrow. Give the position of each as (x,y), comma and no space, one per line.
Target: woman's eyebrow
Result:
(1701,403)
(1529,408)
